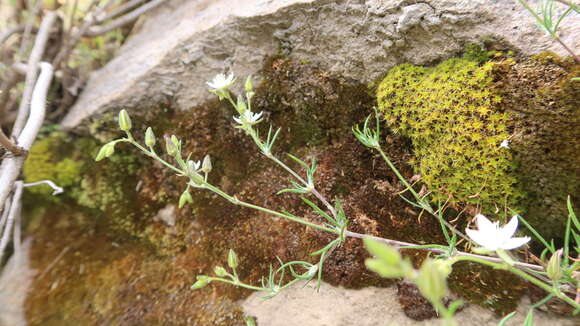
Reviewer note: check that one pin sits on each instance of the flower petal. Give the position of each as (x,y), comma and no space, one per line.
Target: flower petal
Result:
(482,239)
(484,225)
(508,230)
(515,243)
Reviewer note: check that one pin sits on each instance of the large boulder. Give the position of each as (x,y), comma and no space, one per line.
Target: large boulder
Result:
(185,43)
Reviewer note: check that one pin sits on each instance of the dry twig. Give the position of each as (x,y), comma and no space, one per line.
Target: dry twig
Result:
(32,72)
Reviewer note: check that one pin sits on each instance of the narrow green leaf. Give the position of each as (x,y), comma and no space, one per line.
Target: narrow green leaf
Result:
(505,319)
(297,160)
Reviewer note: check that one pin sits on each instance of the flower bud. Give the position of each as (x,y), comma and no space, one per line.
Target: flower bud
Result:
(176,142)
(382,251)
(248,86)
(432,279)
(232,259)
(220,271)
(124,120)
(185,198)
(106,151)
(170,146)
(149,137)
(241,107)
(202,281)
(206,165)
(554,268)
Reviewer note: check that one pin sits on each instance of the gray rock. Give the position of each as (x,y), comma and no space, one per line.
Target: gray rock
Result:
(183,44)
(337,306)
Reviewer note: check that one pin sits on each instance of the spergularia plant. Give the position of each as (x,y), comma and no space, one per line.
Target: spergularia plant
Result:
(431,277)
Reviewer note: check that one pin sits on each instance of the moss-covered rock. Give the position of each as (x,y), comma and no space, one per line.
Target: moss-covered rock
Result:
(50,160)
(450,112)
(544,108)
(459,112)
(122,266)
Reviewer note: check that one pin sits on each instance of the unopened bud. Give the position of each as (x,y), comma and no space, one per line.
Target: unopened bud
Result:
(206,165)
(432,279)
(149,137)
(241,107)
(170,146)
(106,151)
(248,86)
(232,259)
(185,198)
(124,120)
(176,142)
(202,281)
(554,268)
(220,271)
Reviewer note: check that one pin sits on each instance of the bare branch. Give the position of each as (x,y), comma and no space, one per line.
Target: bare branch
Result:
(29,26)
(14,210)
(10,81)
(101,17)
(123,20)
(11,166)
(33,60)
(11,31)
(5,214)
(8,144)
(72,40)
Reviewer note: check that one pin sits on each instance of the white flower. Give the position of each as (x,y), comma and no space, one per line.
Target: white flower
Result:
(505,144)
(492,237)
(193,167)
(249,118)
(222,82)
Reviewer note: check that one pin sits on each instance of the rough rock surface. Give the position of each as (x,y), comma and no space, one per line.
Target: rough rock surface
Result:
(184,43)
(304,306)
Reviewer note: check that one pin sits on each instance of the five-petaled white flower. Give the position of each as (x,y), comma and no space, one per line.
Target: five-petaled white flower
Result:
(222,82)
(249,118)
(493,237)
(505,144)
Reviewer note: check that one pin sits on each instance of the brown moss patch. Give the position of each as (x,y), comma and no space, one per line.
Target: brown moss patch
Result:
(543,102)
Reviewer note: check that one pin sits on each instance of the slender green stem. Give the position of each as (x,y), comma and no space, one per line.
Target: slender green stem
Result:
(154,155)
(299,178)
(266,210)
(230,198)
(547,287)
(240,284)
(401,178)
(425,204)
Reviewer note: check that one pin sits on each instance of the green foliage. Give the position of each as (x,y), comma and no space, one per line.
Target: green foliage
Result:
(450,114)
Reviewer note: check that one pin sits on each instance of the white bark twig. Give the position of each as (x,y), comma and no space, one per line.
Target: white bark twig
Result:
(14,210)
(101,17)
(56,189)
(11,166)
(5,214)
(32,72)
(123,20)
(11,31)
